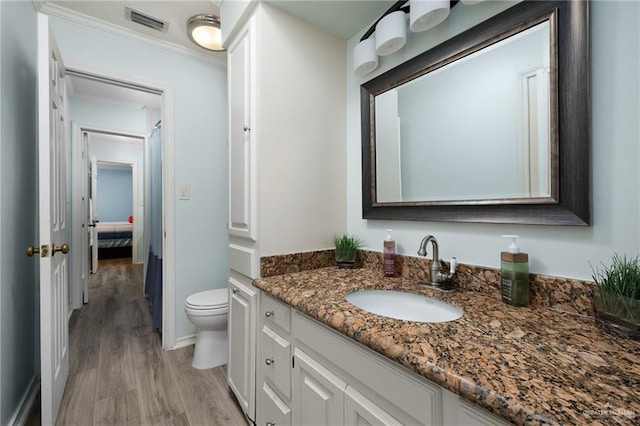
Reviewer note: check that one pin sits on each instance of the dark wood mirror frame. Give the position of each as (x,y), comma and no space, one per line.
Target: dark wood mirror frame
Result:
(573,204)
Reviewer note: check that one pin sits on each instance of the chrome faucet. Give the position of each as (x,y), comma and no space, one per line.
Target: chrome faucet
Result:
(438,279)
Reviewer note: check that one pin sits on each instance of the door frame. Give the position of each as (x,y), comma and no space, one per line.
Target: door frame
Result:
(80,155)
(168,190)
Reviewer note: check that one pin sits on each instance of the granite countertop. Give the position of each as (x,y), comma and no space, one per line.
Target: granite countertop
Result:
(529,365)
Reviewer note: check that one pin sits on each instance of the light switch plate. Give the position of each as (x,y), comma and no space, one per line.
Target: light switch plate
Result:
(185,192)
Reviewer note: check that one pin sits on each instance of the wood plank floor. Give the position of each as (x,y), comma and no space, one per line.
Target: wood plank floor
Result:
(118,373)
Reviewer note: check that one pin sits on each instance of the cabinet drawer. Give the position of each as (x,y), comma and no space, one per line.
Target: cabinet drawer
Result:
(275,411)
(276,313)
(276,359)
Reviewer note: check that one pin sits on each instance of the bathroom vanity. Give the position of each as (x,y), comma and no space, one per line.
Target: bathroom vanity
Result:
(321,358)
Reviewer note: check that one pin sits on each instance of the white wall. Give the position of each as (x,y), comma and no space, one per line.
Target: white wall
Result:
(301,140)
(561,251)
(200,133)
(19,296)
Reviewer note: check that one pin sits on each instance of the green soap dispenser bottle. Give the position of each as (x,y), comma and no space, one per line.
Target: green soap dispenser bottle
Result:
(514,274)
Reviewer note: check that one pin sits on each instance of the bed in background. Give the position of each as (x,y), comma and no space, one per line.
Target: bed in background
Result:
(115,239)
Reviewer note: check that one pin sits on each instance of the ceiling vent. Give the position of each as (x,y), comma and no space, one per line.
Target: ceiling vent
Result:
(146,20)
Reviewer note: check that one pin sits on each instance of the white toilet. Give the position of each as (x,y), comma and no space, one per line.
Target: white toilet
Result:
(208,310)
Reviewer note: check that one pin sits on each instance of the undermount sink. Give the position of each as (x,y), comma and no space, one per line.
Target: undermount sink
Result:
(404,306)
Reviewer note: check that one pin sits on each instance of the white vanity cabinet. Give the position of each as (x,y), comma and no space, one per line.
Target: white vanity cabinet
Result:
(310,374)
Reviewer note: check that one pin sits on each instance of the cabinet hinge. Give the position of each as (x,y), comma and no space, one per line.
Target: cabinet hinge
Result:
(293,361)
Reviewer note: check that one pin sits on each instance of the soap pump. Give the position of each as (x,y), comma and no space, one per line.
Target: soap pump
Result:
(389,255)
(514,274)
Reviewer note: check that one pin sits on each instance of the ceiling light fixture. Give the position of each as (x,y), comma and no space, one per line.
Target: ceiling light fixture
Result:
(204,30)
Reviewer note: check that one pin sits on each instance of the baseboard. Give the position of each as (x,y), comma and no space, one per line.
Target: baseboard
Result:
(185,341)
(21,415)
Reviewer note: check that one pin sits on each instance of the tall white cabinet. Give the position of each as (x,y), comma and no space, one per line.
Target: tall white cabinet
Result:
(242,220)
(287,158)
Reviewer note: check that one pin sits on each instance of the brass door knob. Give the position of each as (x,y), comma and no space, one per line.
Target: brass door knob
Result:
(31,250)
(63,248)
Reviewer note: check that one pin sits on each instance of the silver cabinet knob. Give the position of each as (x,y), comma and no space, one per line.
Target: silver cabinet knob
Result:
(269,361)
(268,314)
(246,128)
(235,290)
(270,424)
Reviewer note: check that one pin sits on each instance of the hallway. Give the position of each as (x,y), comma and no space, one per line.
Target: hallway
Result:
(118,372)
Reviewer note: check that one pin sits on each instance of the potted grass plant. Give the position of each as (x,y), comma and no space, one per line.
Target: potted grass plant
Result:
(617,299)
(346,247)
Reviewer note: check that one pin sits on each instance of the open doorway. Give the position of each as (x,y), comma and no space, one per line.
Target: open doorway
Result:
(104,115)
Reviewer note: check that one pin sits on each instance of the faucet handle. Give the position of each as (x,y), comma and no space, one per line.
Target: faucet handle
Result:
(453,264)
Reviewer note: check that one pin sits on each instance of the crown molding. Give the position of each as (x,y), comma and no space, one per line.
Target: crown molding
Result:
(63,13)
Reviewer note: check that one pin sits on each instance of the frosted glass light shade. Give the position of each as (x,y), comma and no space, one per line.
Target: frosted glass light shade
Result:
(391,33)
(426,14)
(204,30)
(365,58)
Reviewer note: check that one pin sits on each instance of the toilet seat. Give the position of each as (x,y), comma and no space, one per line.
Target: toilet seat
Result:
(208,300)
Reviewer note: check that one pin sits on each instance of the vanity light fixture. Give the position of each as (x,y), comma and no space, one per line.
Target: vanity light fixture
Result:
(365,58)
(204,30)
(391,30)
(391,33)
(426,14)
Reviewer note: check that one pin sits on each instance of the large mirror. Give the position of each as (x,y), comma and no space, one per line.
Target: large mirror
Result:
(491,126)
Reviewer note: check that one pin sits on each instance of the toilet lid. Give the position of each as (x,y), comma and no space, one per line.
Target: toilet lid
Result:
(208,299)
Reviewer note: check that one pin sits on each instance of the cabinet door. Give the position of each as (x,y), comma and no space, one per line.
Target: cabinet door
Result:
(241,367)
(318,394)
(242,152)
(359,410)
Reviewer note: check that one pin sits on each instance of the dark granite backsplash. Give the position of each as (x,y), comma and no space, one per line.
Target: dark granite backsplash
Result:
(563,294)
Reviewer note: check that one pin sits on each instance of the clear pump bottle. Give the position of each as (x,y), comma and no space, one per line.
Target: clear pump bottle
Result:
(514,274)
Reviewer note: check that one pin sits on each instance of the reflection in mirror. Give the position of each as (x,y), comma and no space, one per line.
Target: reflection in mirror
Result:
(474,129)
(446,137)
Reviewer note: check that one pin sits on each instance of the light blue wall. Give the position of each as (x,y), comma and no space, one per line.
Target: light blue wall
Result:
(200,134)
(109,116)
(115,195)
(561,251)
(128,120)
(19,303)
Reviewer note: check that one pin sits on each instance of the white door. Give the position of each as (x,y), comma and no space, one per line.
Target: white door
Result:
(85,166)
(93,214)
(241,367)
(54,276)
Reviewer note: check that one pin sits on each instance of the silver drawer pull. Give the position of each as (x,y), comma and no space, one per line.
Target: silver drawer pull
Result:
(268,314)
(270,424)
(269,361)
